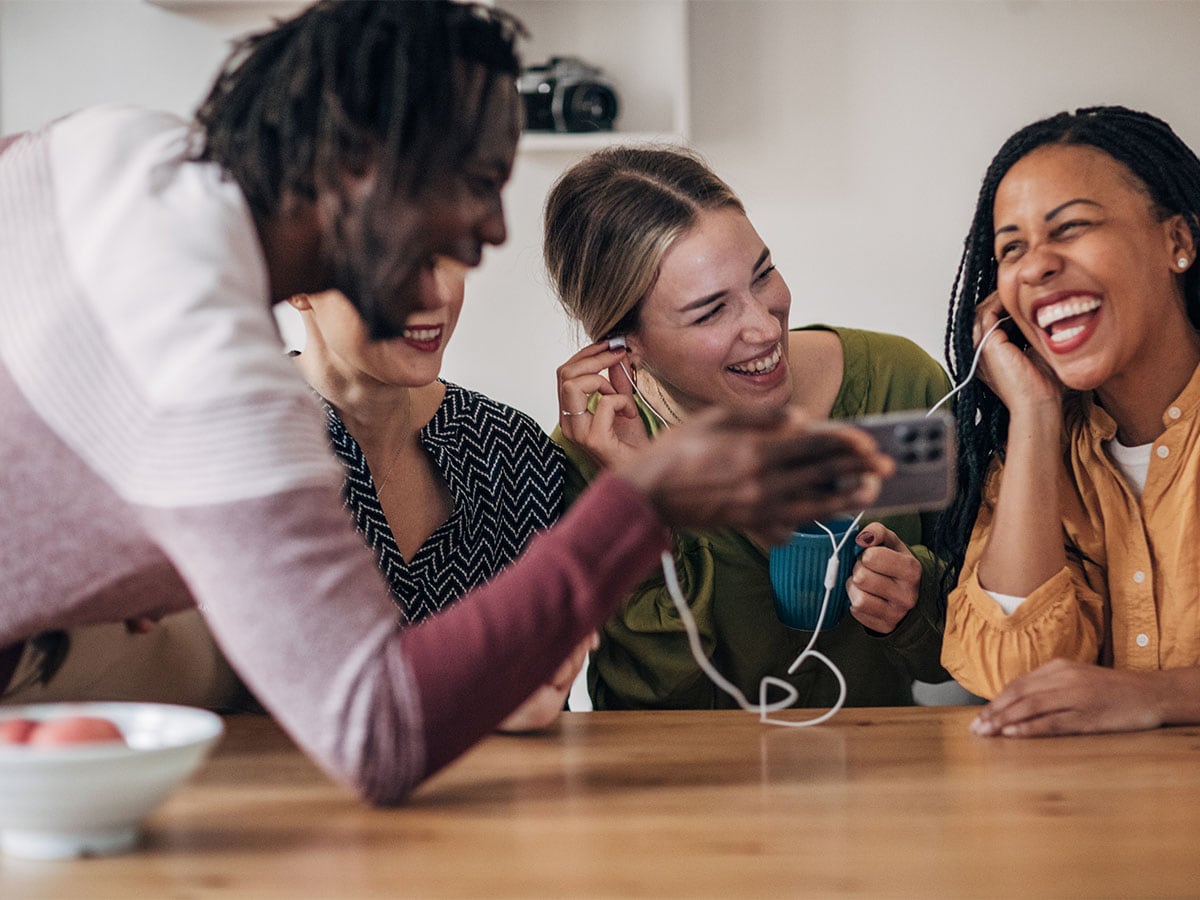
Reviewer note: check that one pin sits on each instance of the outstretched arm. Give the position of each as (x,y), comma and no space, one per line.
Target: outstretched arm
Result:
(296,601)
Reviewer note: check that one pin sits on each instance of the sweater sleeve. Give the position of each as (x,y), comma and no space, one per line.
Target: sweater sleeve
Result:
(296,602)
(886,373)
(139,331)
(916,643)
(644,661)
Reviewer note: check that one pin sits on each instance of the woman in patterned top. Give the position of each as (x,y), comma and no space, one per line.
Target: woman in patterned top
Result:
(446,486)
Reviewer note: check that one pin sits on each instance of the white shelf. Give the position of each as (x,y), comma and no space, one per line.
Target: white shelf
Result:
(640,45)
(264,8)
(240,17)
(539,141)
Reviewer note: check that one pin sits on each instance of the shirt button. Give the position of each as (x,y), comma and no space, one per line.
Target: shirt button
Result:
(1139,576)
(1174,412)
(1163,452)
(1142,640)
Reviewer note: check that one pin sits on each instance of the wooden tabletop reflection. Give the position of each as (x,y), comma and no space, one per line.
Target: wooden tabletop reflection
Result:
(897,802)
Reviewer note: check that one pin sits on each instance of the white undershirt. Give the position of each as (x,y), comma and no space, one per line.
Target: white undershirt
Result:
(1133,463)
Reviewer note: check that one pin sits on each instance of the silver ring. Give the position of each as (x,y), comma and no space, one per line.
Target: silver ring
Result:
(567,412)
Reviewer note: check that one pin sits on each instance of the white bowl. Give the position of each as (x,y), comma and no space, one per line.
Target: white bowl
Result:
(89,799)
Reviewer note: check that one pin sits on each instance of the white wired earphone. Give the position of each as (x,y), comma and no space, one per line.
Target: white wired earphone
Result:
(791,694)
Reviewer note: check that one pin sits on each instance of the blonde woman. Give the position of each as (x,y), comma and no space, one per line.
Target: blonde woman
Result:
(649,244)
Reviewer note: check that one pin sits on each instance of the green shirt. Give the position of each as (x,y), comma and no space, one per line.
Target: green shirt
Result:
(643,661)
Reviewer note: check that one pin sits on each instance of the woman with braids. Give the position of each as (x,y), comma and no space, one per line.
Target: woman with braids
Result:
(1078,600)
(649,243)
(160,452)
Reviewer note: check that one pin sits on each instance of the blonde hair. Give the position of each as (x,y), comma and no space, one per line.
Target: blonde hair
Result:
(610,219)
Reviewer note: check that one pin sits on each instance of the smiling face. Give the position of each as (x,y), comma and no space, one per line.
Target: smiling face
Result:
(713,329)
(462,204)
(381,244)
(1086,268)
(339,347)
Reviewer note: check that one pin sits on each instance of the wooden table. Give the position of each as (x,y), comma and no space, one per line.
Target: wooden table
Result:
(875,803)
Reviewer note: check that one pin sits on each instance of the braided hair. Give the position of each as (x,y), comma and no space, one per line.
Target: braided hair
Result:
(351,87)
(1166,170)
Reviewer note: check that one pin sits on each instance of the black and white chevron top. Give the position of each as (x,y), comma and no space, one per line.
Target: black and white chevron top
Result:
(506,483)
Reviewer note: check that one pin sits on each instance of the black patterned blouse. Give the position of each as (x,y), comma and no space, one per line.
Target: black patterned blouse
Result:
(506,483)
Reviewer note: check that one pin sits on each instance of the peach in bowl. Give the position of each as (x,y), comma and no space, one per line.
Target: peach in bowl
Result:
(77,779)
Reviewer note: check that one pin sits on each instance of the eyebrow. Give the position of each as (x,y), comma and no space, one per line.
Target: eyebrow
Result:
(704,301)
(1050,215)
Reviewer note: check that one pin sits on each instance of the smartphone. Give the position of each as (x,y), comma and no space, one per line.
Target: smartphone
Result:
(924,448)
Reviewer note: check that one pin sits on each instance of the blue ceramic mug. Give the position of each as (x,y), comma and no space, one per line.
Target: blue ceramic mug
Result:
(798,574)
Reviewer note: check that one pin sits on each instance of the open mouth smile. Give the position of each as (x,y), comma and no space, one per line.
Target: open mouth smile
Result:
(426,338)
(1066,319)
(422,334)
(764,365)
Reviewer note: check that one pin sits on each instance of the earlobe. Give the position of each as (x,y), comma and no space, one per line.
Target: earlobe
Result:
(633,355)
(1183,246)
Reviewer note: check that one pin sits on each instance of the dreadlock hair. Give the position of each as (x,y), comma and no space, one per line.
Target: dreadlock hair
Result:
(348,85)
(1164,168)
(344,84)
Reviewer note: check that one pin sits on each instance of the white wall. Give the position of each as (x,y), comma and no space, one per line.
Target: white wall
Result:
(856,133)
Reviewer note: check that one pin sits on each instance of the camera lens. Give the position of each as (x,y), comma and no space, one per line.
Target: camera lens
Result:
(588,106)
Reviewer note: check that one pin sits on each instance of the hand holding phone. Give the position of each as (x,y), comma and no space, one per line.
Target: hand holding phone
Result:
(923,447)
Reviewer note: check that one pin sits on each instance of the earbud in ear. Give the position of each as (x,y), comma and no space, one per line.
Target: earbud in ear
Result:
(616,343)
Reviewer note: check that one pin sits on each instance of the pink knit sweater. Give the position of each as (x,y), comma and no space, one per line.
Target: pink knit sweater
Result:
(158,452)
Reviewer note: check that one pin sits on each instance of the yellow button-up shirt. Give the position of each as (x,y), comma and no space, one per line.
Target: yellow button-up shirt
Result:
(1129,596)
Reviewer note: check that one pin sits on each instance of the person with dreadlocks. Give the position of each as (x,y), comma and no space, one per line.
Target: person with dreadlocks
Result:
(160,452)
(1077,607)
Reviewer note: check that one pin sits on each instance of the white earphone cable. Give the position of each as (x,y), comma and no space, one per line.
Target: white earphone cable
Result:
(974,364)
(791,694)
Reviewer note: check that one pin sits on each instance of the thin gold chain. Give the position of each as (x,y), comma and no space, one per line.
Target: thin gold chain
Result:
(387,476)
(667,403)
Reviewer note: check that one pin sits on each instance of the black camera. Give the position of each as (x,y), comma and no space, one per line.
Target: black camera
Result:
(566,94)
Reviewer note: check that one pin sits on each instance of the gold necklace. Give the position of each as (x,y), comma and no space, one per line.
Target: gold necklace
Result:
(663,397)
(387,476)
